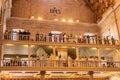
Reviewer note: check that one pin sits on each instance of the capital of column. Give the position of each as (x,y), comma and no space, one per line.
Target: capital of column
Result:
(54,47)
(97,48)
(76,47)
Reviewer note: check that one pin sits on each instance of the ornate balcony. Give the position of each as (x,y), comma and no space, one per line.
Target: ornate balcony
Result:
(60,65)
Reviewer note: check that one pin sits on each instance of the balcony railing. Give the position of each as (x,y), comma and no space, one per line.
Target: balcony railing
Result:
(60,64)
(61,38)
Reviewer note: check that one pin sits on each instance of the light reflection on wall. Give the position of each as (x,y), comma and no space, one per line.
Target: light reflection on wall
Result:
(115,77)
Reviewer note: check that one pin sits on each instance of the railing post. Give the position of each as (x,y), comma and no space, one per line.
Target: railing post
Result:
(29,54)
(1,54)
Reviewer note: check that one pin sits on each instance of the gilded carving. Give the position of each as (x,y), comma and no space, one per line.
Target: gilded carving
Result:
(100,6)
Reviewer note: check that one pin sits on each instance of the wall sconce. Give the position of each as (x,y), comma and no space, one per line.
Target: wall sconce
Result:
(63,20)
(32,17)
(55,19)
(70,20)
(40,18)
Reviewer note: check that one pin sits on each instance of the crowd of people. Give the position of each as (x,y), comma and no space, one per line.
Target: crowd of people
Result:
(60,38)
(59,61)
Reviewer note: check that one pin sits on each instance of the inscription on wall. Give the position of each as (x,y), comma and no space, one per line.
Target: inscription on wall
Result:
(55,11)
(51,9)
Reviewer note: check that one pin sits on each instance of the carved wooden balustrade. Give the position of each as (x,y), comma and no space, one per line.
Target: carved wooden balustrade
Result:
(60,65)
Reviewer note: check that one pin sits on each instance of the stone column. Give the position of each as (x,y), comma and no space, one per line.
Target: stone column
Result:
(2,22)
(77,57)
(77,53)
(90,73)
(42,73)
(54,56)
(1,54)
(99,56)
(54,52)
(1,51)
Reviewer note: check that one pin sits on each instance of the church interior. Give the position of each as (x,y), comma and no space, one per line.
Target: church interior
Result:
(59,40)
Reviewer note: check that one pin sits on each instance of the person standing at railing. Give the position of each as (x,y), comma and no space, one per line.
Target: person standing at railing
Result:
(85,62)
(42,60)
(56,61)
(37,60)
(48,61)
(107,40)
(112,40)
(61,61)
(33,61)
(69,61)
(12,62)
(90,61)
(104,62)
(75,63)
(82,61)
(93,61)
(6,34)
(108,63)
(111,63)
(7,62)
(24,63)
(17,61)
(96,61)
(52,57)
